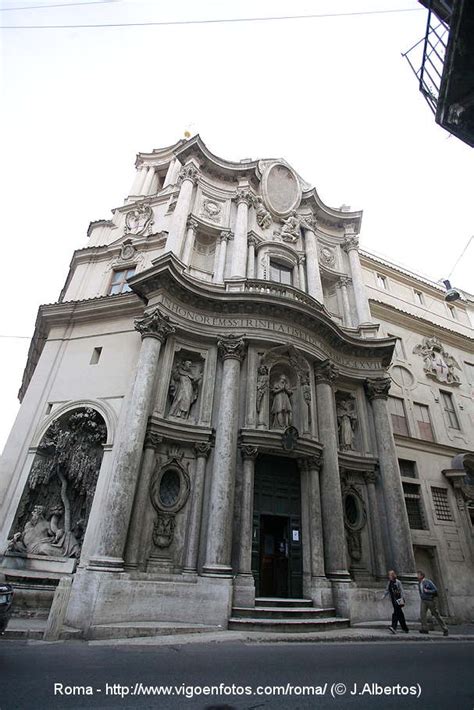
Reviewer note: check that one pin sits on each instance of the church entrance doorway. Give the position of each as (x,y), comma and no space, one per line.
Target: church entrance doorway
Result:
(277,560)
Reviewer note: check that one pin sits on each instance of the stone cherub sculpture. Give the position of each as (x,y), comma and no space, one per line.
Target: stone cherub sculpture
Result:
(282,410)
(346,421)
(291,229)
(45,537)
(184,389)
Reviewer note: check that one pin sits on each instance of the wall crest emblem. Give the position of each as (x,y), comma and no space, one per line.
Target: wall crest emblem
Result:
(139,220)
(211,209)
(438,364)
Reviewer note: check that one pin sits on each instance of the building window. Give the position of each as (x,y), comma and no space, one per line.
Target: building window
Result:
(399,350)
(441,504)
(119,281)
(281,274)
(422,416)
(469,366)
(407,468)
(452,311)
(95,357)
(396,408)
(450,411)
(414,506)
(381,281)
(419,299)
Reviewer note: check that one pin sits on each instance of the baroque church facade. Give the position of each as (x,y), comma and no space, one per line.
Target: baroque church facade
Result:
(231,403)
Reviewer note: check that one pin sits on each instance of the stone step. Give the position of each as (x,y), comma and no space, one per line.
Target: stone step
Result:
(281,612)
(288,625)
(33,628)
(136,629)
(281,601)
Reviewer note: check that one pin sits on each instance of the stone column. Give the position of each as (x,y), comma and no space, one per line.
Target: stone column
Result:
(138,181)
(221,255)
(239,254)
(117,505)
(351,246)
(342,284)
(313,275)
(379,558)
(221,508)
(187,178)
(142,501)
(191,227)
(148,180)
(311,466)
(402,558)
(244,585)
(251,243)
(202,450)
(301,261)
(331,497)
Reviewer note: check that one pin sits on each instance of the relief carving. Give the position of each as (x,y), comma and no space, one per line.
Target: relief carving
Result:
(169,491)
(55,506)
(263,216)
(438,364)
(139,220)
(211,209)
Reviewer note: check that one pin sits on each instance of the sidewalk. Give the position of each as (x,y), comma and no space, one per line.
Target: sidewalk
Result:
(176,634)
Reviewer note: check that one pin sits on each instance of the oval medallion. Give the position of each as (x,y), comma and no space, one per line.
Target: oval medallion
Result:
(281,189)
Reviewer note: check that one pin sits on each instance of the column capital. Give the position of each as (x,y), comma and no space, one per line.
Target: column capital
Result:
(192,223)
(252,240)
(202,449)
(152,440)
(249,452)
(309,223)
(188,172)
(244,195)
(232,347)
(326,372)
(371,476)
(378,387)
(310,463)
(343,282)
(351,242)
(154,325)
(226,235)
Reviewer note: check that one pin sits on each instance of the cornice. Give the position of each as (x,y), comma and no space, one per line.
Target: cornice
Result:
(167,275)
(436,447)
(410,276)
(426,327)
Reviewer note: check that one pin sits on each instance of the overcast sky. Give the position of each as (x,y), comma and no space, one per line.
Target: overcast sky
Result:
(332,95)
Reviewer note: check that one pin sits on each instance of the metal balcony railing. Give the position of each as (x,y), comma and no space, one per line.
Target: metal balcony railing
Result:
(426,57)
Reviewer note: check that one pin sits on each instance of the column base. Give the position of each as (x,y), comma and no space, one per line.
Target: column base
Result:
(339,575)
(342,593)
(217,571)
(106,564)
(407,578)
(244,591)
(320,591)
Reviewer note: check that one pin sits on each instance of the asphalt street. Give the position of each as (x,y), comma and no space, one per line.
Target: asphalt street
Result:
(117,675)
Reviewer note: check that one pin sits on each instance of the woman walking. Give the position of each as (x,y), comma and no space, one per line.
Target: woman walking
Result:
(395,591)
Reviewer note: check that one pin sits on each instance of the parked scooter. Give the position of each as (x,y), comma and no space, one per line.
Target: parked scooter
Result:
(6,603)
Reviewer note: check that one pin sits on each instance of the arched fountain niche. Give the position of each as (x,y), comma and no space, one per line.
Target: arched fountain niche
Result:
(55,505)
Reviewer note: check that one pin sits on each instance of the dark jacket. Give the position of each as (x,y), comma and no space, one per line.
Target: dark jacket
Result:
(395,590)
(427,589)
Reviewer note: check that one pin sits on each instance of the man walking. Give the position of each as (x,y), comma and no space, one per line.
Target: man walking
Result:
(429,601)
(395,590)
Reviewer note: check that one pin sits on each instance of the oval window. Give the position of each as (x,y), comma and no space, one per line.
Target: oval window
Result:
(170,485)
(352,510)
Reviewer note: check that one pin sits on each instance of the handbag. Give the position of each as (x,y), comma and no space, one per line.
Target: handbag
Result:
(400,602)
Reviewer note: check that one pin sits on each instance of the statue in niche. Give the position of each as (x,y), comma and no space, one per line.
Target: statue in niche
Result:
(184,389)
(346,422)
(291,229)
(264,218)
(262,385)
(55,505)
(282,410)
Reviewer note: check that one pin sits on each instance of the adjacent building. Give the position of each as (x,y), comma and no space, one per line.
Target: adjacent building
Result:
(232,402)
